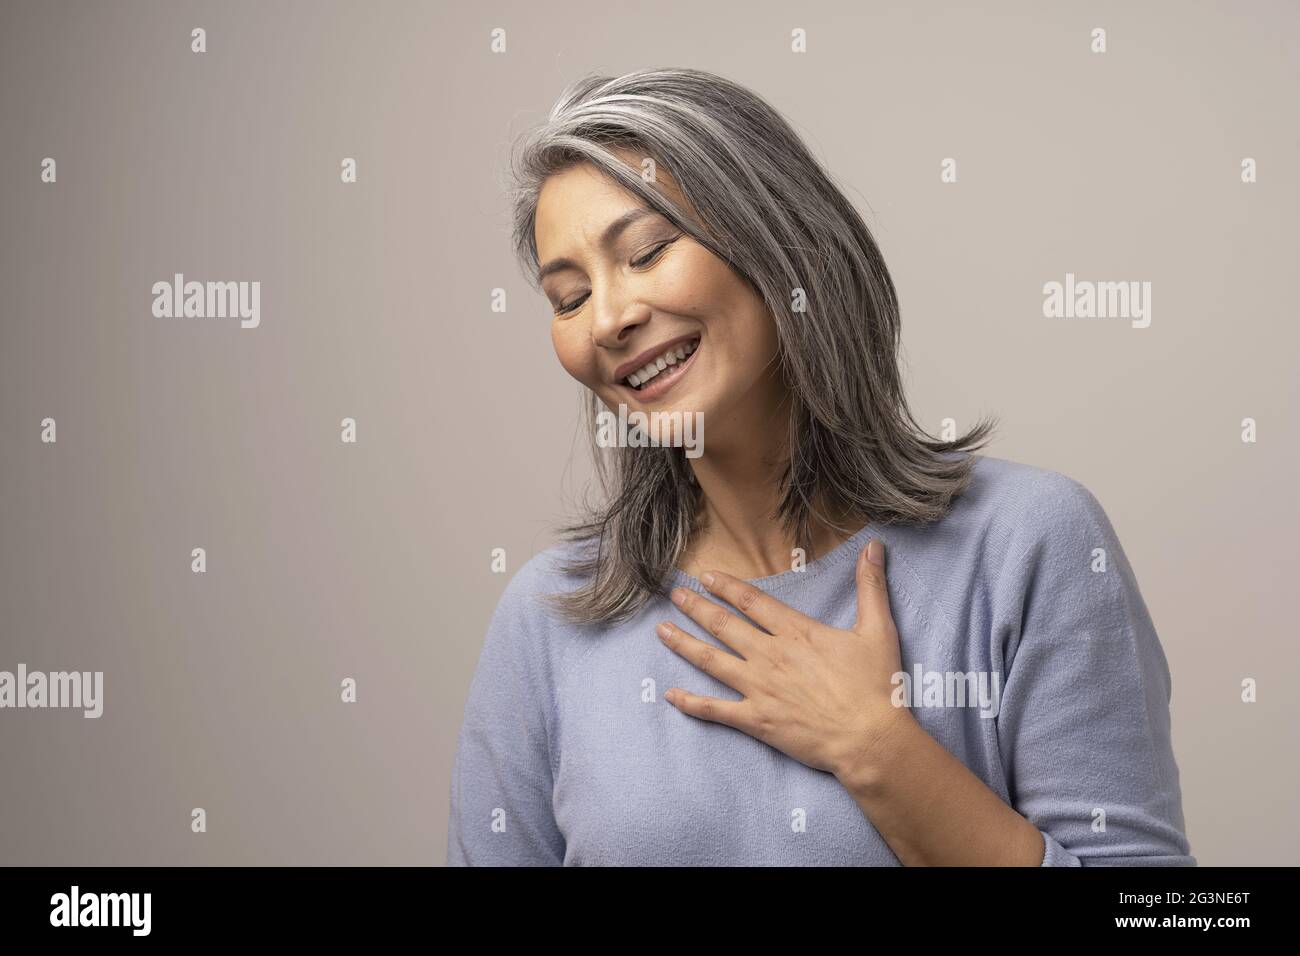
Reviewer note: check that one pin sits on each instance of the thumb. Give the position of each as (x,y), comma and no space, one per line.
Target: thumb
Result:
(873,594)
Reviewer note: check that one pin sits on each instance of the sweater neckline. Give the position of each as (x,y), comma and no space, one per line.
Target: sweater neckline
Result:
(846,550)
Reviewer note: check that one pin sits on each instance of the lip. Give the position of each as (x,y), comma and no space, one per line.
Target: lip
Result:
(630,366)
(665,379)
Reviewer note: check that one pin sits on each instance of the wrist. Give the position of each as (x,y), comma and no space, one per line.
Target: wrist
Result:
(871,759)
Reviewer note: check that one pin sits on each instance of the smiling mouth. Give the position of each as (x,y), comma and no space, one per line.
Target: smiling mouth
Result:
(665,367)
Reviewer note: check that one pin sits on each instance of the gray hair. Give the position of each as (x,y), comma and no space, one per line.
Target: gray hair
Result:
(767,208)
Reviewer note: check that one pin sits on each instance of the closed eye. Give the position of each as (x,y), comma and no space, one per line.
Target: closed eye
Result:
(653,253)
(571,306)
(645,260)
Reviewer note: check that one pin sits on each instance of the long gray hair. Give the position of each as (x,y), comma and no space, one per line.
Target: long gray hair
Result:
(767,208)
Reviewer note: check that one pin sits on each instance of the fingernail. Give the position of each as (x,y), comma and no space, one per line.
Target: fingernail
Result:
(664,629)
(876,551)
(707,579)
(678,596)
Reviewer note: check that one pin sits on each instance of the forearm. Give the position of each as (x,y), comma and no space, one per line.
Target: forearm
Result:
(931,809)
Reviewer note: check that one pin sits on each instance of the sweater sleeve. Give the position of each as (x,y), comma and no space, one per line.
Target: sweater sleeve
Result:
(501,780)
(1084,724)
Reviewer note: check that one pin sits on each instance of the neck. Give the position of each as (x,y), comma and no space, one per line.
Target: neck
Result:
(740,531)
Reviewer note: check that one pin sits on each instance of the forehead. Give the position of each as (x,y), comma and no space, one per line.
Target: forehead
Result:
(577,202)
(580,197)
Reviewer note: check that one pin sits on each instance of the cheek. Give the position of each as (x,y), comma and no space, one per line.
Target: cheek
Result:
(751,342)
(686,283)
(696,283)
(575,351)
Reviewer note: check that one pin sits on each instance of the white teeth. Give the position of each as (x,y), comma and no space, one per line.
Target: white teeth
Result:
(651,369)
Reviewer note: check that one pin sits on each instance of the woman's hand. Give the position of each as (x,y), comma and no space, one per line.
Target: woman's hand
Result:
(816,693)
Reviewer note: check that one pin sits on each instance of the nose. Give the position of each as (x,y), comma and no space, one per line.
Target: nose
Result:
(616,318)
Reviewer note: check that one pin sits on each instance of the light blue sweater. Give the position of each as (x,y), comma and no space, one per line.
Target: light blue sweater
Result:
(569,754)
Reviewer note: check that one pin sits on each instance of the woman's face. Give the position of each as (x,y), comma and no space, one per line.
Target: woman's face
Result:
(628,296)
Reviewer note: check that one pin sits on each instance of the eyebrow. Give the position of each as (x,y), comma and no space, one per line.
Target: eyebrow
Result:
(607,238)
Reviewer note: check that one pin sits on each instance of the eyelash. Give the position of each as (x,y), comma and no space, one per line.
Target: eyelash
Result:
(645,260)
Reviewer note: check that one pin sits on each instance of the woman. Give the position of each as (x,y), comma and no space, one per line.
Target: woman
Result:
(716,666)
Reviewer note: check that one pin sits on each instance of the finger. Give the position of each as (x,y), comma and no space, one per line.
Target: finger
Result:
(729,712)
(718,621)
(714,661)
(771,614)
(873,590)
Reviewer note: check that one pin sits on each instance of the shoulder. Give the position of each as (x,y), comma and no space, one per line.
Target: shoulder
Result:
(548,572)
(1011,521)
(524,646)
(1054,559)
(1049,568)
(1006,508)
(525,627)
(1027,511)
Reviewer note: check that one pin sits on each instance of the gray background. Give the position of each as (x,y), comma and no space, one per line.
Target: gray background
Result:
(371,561)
